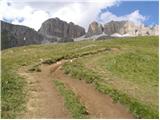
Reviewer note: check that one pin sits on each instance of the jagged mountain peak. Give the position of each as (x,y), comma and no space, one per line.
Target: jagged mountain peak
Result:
(59,28)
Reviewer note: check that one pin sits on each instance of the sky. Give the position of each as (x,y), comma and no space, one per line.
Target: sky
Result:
(33,13)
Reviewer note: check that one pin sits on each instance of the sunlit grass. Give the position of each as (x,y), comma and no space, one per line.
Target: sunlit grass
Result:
(13,94)
(71,101)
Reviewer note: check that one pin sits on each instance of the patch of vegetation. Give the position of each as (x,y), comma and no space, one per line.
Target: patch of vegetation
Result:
(13,94)
(138,109)
(136,66)
(76,70)
(35,68)
(71,101)
(13,97)
(14,58)
(48,61)
(134,70)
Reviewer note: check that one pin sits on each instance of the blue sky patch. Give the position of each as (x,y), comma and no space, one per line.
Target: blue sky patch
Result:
(149,9)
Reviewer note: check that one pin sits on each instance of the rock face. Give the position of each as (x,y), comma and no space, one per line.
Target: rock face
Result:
(121,29)
(155,30)
(146,30)
(16,35)
(129,28)
(57,30)
(52,30)
(94,29)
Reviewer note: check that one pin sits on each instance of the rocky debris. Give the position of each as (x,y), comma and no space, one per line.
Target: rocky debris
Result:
(62,40)
(94,29)
(17,35)
(94,37)
(104,37)
(57,30)
(81,38)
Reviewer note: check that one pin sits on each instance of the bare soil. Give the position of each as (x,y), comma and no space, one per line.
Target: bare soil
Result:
(44,101)
(98,105)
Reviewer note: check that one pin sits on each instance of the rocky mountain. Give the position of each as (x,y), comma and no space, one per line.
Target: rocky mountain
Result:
(17,35)
(120,29)
(147,30)
(52,30)
(56,30)
(94,29)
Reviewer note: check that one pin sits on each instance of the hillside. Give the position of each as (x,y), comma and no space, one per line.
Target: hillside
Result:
(113,78)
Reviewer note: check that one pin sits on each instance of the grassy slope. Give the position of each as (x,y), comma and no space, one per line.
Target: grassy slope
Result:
(125,74)
(13,86)
(13,93)
(127,70)
(137,107)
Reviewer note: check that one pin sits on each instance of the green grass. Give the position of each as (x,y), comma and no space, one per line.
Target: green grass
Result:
(35,68)
(76,70)
(138,109)
(71,101)
(131,73)
(13,94)
(13,86)
(135,66)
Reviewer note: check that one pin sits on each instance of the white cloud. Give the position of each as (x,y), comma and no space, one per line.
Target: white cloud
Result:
(33,19)
(25,16)
(135,17)
(34,12)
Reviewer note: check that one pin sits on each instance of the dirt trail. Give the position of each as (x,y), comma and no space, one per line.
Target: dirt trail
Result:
(98,105)
(44,101)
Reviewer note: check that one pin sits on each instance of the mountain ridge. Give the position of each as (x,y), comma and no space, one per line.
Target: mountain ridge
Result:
(55,30)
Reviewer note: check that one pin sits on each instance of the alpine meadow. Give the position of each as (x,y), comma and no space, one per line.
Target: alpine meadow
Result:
(79,59)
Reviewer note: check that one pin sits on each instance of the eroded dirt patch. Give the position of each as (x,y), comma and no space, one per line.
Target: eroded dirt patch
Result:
(98,105)
(44,101)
